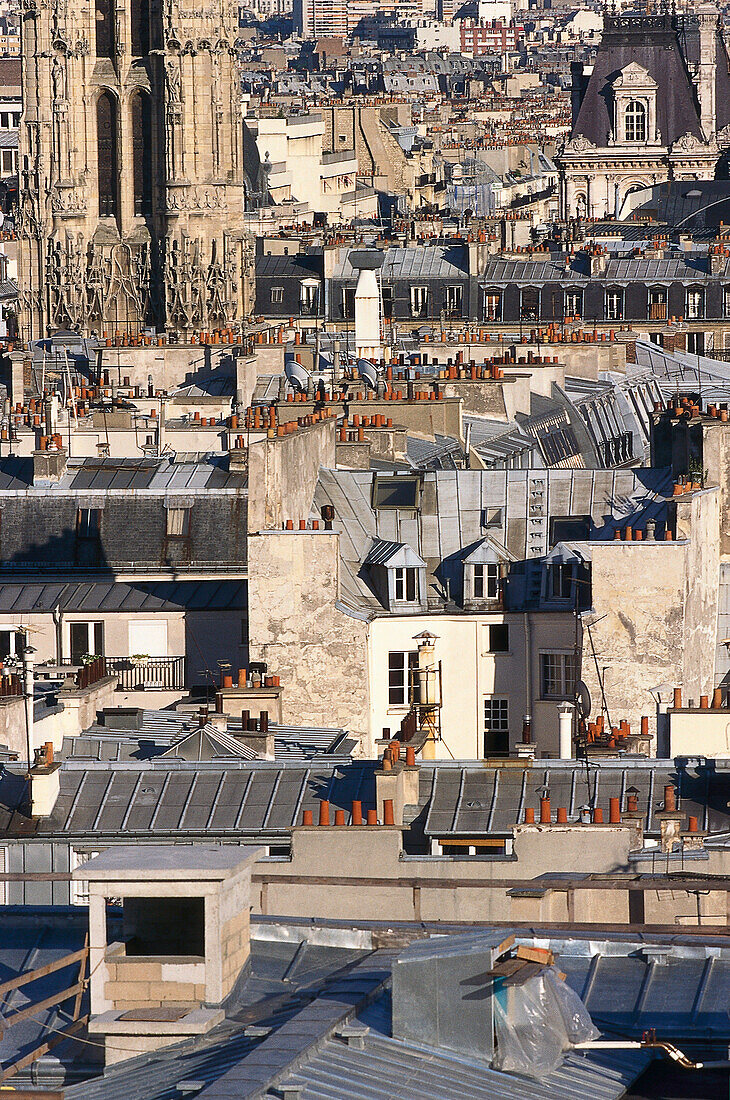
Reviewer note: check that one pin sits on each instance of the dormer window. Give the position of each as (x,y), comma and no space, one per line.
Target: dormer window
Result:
(567,577)
(485,585)
(482,578)
(406,585)
(560,580)
(635,121)
(398,576)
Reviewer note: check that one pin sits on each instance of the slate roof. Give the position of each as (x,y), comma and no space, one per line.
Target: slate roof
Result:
(93,596)
(468,801)
(452,508)
(653,42)
(155,475)
(241,799)
(424,262)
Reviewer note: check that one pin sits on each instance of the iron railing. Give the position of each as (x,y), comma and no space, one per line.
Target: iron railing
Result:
(154,673)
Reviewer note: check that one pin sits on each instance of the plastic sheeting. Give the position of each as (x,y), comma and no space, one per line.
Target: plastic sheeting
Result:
(537,1022)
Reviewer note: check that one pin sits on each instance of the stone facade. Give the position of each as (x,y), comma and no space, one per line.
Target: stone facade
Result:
(131,178)
(650,110)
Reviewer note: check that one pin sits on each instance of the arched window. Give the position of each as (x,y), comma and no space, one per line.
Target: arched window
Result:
(104,28)
(140,26)
(635,121)
(106,144)
(142,153)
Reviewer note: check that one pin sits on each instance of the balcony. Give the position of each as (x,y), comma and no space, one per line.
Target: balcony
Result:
(151,673)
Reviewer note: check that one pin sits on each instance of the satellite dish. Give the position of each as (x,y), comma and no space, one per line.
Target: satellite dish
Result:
(368,373)
(296,375)
(583,699)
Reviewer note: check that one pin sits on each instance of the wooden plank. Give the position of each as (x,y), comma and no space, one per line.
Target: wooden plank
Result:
(507,968)
(38,1052)
(528,971)
(535,954)
(42,971)
(7,1022)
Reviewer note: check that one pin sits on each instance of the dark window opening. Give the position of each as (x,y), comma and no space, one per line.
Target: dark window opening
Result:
(560,581)
(142,154)
(498,638)
(106,141)
(348,303)
(164,926)
(104,28)
(402,668)
(395,492)
(570,529)
(486,582)
(406,585)
(140,26)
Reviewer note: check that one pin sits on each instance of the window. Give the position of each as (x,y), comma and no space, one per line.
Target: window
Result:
(4,120)
(498,638)
(496,725)
(406,585)
(453,298)
(106,140)
(140,25)
(178,522)
(85,638)
(395,492)
(347,306)
(11,644)
(569,529)
(87,523)
(401,677)
(104,28)
(658,304)
(573,303)
(529,303)
(277,295)
(387,296)
(308,297)
(695,303)
(560,581)
(7,162)
(486,582)
(557,676)
(492,305)
(419,301)
(142,153)
(726,301)
(635,121)
(614,305)
(696,343)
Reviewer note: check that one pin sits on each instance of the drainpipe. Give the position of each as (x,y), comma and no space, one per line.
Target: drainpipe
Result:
(528,663)
(28,678)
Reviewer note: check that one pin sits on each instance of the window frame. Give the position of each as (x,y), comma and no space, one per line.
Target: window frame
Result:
(562,677)
(402,669)
(419,301)
(636,114)
(405,581)
(186,513)
(495,721)
(616,293)
(493,632)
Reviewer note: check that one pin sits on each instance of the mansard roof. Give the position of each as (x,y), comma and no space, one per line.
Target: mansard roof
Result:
(653,42)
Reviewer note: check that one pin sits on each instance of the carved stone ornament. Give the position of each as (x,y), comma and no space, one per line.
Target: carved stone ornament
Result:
(723,137)
(579,144)
(687,143)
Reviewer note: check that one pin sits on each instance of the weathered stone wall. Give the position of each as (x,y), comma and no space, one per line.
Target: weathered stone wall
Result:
(296,628)
(655,616)
(283,474)
(637,631)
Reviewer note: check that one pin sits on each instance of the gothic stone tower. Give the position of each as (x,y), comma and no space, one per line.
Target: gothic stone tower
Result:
(131,167)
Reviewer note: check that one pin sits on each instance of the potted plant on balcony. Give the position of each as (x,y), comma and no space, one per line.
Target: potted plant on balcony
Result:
(139,661)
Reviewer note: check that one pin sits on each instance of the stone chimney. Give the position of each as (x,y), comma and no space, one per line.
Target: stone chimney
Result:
(49,463)
(184,946)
